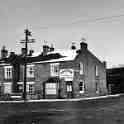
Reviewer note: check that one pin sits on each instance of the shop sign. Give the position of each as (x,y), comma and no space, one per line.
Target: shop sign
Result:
(67,74)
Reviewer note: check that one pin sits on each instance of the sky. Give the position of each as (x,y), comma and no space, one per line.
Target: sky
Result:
(61,22)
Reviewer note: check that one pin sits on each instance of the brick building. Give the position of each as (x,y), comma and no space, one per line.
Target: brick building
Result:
(56,74)
(115,80)
(12,74)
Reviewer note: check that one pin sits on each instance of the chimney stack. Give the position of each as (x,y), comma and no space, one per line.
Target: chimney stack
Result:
(46,48)
(31,52)
(83,44)
(12,53)
(51,48)
(4,52)
(23,51)
(73,47)
(104,63)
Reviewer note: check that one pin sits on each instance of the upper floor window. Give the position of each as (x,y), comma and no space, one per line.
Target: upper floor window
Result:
(82,68)
(8,72)
(54,69)
(30,71)
(96,71)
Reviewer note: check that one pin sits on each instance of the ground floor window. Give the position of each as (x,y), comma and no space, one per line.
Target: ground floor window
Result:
(51,88)
(69,86)
(20,88)
(0,90)
(8,88)
(81,87)
(97,87)
(31,89)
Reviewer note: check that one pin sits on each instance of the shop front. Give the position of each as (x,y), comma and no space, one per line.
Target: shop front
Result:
(51,88)
(67,75)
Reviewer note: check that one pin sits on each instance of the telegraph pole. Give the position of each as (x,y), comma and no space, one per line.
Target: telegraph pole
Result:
(26,41)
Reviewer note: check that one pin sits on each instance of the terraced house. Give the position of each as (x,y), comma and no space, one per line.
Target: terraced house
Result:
(53,73)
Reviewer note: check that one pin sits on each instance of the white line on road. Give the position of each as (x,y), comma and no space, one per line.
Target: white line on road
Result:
(59,100)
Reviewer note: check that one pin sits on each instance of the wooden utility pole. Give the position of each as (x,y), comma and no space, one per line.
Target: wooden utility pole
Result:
(26,41)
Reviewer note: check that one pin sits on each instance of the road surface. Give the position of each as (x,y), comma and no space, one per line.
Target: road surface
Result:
(110,112)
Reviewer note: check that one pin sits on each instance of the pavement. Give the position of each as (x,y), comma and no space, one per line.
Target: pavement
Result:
(105,110)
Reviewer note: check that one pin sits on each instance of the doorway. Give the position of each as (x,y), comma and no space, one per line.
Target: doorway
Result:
(69,89)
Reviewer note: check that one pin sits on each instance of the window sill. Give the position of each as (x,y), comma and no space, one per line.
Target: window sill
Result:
(81,92)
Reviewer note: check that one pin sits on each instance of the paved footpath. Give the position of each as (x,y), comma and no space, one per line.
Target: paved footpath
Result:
(104,110)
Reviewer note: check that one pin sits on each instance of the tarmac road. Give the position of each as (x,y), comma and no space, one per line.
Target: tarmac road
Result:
(110,112)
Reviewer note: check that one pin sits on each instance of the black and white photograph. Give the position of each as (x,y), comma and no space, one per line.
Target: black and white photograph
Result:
(61,62)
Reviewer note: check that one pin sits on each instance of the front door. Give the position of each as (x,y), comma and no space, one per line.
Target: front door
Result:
(69,89)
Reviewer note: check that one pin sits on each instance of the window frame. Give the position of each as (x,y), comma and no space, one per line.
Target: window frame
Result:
(96,70)
(82,68)
(51,88)
(30,69)
(53,71)
(81,86)
(8,70)
(31,89)
(8,88)
(97,87)
(69,87)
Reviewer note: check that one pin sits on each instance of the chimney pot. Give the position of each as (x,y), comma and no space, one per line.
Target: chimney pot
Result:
(73,47)
(104,63)
(12,53)
(46,49)
(23,51)
(31,52)
(4,52)
(51,48)
(83,45)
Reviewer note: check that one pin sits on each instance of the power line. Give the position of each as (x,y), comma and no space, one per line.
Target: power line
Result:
(26,41)
(77,21)
(99,19)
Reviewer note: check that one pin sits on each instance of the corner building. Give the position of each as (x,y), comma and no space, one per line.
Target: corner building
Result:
(70,74)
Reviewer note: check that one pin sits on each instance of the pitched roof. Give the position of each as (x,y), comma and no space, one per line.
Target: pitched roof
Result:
(64,55)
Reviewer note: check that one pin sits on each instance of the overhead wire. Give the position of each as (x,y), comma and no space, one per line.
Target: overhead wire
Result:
(77,21)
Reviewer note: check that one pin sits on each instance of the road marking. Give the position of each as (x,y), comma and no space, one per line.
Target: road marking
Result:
(57,110)
(59,100)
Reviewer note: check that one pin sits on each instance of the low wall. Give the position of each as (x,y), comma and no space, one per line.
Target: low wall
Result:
(11,108)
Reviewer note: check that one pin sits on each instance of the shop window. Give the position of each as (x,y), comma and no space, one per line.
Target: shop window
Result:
(81,87)
(30,71)
(54,69)
(69,88)
(29,87)
(8,72)
(82,68)
(50,88)
(96,71)
(8,88)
